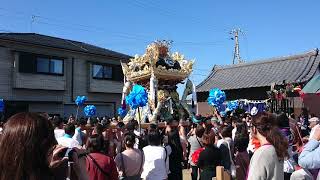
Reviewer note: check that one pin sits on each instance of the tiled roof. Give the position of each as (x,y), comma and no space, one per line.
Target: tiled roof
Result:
(49,41)
(295,68)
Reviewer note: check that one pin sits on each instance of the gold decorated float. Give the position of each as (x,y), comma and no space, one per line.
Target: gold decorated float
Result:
(159,71)
(158,61)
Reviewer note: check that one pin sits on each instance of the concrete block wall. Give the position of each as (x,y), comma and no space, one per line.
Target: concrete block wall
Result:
(104,86)
(50,108)
(103,109)
(6,69)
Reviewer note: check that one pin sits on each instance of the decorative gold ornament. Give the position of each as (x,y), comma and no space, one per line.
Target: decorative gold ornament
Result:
(158,60)
(162,95)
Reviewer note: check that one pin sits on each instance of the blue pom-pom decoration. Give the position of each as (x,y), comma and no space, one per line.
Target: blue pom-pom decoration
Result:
(223,113)
(90,110)
(122,112)
(216,97)
(138,97)
(232,105)
(80,100)
(1,105)
(221,107)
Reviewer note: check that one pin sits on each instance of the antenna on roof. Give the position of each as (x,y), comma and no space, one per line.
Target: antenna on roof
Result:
(33,19)
(236,53)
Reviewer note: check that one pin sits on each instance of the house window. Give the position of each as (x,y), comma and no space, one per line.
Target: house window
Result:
(50,66)
(101,71)
(43,65)
(56,66)
(107,72)
(97,71)
(34,63)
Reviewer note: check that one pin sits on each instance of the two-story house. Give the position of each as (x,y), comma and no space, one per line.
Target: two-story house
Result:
(40,73)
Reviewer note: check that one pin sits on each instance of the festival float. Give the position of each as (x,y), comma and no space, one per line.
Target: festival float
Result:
(150,85)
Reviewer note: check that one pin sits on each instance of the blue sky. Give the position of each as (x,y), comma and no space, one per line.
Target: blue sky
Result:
(199,29)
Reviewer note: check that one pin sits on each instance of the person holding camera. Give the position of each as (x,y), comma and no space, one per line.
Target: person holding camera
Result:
(28,149)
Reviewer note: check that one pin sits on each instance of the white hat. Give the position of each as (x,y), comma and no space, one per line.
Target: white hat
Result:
(314,119)
(254,111)
(214,119)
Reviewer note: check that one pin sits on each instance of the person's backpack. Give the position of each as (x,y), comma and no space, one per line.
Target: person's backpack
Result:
(195,155)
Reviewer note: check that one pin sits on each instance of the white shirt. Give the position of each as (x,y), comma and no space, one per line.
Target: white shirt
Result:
(251,146)
(136,144)
(219,142)
(67,142)
(77,135)
(156,165)
(234,130)
(58,133)
(138,132)
(312,131)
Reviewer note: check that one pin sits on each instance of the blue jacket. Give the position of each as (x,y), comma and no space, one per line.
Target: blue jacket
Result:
(310,156)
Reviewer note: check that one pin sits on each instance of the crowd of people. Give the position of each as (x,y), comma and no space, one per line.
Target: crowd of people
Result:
(265,146)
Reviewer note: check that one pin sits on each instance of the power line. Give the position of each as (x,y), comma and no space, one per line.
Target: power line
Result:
(16,17)
(151,4)
(197,43)
(204,75)
(119,35)
(16,12)
(37,19)
(246,45)
(6,31)
(183,43)
(123,36)
(202,69)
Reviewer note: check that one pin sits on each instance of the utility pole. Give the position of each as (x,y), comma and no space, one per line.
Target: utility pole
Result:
(236,54)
